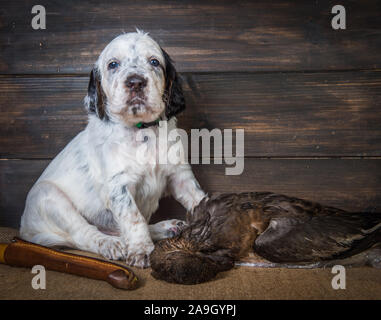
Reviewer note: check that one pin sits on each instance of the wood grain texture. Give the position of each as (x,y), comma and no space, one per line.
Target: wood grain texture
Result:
(203,35)
(312,114)
(354,185)
(233,57)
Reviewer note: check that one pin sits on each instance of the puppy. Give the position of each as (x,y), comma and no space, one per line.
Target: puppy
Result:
(97,181)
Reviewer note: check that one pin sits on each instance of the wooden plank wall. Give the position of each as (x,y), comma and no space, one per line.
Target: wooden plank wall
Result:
(308,97)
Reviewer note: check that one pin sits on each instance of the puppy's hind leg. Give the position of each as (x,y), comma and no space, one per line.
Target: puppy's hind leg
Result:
(51,219)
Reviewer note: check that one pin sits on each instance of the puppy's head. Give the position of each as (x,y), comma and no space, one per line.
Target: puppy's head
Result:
(134,81)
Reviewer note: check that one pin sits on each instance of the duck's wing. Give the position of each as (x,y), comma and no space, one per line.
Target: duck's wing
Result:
(297,235)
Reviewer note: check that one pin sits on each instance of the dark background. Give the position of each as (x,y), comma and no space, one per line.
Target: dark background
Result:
(308,96)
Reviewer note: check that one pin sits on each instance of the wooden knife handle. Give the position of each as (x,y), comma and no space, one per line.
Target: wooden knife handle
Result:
(21,253)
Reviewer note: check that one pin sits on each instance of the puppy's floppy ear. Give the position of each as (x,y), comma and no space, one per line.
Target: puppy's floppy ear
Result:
(173,94)
(95,101)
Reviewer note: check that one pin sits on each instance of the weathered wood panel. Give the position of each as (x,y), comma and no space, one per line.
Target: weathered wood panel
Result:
(349,184)
(315,114)
(203,35)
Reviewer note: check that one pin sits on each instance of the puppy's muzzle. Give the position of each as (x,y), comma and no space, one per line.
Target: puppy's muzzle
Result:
(136,84)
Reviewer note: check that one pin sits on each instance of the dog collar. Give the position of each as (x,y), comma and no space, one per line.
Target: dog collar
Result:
(143,125)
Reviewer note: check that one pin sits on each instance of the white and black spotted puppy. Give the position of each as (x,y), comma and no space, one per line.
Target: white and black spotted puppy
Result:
(96,182)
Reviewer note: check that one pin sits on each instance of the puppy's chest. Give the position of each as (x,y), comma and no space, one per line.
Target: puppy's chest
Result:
(149,189)
(142,160)
(153,177)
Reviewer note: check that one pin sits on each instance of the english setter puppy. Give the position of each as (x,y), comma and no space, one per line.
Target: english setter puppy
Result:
(96,182)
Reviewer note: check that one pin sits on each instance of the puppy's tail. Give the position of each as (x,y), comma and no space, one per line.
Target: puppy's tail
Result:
(177,260)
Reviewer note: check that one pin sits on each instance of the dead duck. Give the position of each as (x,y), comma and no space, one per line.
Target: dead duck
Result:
(281,230)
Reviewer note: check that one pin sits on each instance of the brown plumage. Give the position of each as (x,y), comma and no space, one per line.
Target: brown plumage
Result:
(278,228)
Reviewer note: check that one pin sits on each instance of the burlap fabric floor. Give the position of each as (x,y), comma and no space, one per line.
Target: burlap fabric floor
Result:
(239,283)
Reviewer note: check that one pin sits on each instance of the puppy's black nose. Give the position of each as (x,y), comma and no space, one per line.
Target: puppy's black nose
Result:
(136,82)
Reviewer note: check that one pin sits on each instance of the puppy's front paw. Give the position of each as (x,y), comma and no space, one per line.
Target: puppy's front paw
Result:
(138,255)
(166,229)
(111,248)
(174,227)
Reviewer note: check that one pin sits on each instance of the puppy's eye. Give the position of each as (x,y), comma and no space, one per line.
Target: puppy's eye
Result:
(113,65)
(154,62)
